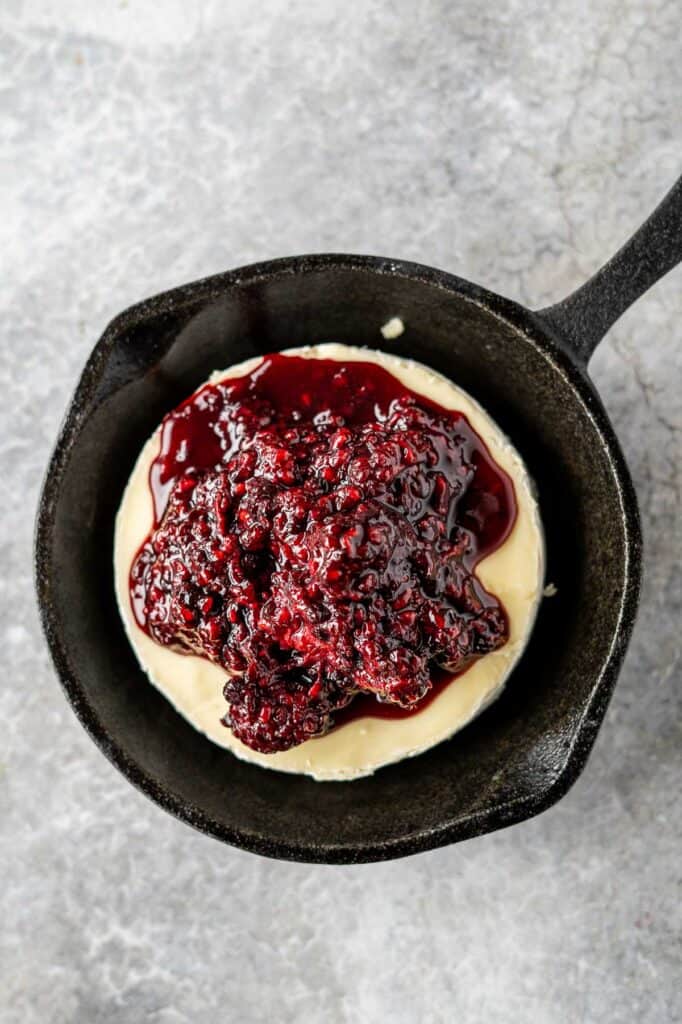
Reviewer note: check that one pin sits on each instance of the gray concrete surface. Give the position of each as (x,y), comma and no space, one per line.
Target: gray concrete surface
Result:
(517,143)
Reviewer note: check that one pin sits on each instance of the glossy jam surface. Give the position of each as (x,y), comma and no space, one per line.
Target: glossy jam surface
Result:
(317,527)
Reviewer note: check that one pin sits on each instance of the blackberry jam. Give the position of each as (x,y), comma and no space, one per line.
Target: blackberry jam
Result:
(317,528)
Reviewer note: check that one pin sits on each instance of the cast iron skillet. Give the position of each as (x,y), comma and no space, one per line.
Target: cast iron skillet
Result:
(529,370)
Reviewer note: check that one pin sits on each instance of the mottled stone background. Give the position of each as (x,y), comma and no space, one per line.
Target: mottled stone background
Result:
(516,143)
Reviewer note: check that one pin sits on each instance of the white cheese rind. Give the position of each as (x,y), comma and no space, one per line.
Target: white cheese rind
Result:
(393,328)
(514,573)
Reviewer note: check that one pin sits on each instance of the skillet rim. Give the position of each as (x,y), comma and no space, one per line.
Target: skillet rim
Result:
(557,352)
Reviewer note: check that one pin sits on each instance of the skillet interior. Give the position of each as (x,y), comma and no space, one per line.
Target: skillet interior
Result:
(525,751)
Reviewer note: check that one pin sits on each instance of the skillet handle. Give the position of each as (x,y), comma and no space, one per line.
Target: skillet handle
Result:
(583,318)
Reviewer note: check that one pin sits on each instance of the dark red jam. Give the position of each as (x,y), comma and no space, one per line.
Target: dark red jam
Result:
(317,527)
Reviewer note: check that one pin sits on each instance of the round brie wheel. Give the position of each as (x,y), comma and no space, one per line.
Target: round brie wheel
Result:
(514,573)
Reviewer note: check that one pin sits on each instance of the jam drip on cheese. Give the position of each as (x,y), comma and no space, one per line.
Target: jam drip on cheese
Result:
(317,528)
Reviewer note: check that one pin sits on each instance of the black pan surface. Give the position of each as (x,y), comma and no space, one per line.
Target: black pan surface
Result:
(528,371)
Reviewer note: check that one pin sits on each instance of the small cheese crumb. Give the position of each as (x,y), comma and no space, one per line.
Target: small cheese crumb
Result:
(393,329)
(550,590)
